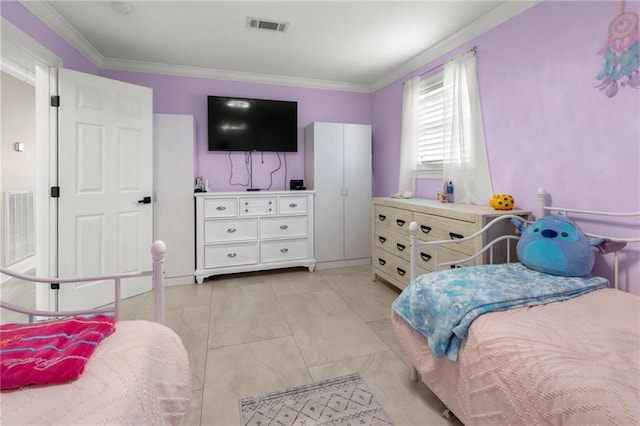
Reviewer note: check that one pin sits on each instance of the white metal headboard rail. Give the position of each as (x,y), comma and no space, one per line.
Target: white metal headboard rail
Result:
(158,250)
(543,209)
(415,242)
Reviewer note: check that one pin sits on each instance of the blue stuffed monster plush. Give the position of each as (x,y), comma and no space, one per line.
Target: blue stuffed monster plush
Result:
(554,244)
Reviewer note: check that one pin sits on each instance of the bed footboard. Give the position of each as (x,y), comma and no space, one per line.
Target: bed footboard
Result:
(158,251)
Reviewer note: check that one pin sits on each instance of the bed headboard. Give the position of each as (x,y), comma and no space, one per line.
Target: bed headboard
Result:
(544,210)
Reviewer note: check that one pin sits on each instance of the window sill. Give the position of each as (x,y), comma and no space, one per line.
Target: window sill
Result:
(429,174)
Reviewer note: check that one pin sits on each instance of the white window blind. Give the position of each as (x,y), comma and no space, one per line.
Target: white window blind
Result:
(429,151)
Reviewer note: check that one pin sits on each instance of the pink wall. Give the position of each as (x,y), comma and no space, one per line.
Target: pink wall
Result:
(183,95)
(544,120)
(545,123)
(23,19)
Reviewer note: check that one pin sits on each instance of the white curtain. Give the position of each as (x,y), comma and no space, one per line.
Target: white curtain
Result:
(409,136)
(465,160)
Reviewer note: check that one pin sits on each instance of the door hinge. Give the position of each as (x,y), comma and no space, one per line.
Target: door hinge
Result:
(55,192)
(55,101)
(55,286)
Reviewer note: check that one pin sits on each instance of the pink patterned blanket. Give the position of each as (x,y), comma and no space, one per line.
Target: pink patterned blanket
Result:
(49,352)
(575,362)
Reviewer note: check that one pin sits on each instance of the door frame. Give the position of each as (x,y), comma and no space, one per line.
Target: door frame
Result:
(46,85)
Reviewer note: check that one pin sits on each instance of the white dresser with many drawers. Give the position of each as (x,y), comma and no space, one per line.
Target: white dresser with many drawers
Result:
(437,221)
(252,231)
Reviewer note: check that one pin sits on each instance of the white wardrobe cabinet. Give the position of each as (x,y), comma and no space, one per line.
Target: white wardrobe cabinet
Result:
(173,221)
(338,169)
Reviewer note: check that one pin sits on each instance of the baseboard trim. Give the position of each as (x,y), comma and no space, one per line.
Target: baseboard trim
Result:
(182,280)
(343,263)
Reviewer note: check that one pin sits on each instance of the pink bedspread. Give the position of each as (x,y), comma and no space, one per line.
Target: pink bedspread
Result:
(137,376)
(49,352)
(571,362)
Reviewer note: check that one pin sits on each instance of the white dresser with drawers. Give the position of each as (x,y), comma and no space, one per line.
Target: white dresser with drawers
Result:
(252,231)
(437,221)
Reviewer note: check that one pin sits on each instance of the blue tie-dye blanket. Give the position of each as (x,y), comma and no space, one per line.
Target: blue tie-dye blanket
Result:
(442,305)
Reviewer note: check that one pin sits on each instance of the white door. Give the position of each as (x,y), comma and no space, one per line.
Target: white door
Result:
(105,166)
(357,181)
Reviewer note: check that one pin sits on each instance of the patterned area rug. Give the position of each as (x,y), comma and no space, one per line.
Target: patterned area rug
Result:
(343,401)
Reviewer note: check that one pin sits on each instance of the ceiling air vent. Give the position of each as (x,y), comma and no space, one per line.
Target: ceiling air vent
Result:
(264,24)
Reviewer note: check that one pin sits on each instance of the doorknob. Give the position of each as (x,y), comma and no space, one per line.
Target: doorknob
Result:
(145,200)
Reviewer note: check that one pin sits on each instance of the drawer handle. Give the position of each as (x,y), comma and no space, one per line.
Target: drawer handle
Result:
(382,239)
(246,203)
(426,257)
(401,271)
(270,203)
(246,210)
(269,208)
(283,227)
(231,255)
(220,208)
(382,261)
(382,217)
(231,230)
(284,250)
(426,229)
(293,205)
(400,222)
(454,236)
(401,247)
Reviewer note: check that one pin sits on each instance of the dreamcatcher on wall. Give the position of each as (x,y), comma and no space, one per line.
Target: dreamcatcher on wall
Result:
(621,54)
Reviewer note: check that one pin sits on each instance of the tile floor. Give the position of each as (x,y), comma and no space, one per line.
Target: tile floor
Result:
(247,334)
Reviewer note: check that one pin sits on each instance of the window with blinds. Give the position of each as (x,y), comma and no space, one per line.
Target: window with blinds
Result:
(430,148)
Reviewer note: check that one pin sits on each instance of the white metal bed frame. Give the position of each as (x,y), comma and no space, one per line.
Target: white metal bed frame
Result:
(158,250)
(543,209)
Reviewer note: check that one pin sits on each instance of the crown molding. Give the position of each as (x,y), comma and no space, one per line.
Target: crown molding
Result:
(15,40)
(43,11)
(493,18)
(241,76)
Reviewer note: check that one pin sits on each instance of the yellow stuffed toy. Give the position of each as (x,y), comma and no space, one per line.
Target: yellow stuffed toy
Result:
(502,202)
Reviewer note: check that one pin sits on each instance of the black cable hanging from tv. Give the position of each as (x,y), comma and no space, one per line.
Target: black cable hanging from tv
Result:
(275,170)
(251,188)
(231,174)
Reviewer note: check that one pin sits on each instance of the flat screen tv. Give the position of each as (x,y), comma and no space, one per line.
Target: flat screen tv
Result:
(242,124)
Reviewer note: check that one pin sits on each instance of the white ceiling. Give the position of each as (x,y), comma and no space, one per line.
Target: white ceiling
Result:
(346,45)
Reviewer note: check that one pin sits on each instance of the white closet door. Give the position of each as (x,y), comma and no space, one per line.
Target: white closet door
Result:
(357,181)
(173,136)
(328,185)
